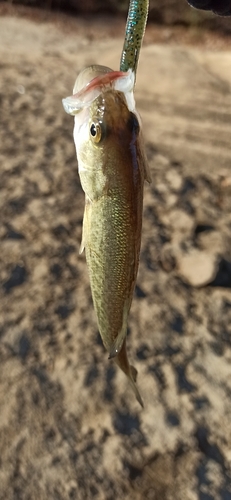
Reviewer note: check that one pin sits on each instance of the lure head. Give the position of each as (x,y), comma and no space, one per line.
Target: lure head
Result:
(106,126)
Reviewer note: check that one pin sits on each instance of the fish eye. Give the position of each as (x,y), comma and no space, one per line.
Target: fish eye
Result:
(95,131)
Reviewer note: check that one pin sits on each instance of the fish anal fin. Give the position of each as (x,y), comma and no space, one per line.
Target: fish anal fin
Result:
(116,346)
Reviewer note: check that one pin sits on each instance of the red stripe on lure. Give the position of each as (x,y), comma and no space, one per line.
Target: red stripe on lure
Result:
(100,82)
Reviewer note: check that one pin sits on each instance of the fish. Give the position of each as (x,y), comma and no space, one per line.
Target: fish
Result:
(112,166)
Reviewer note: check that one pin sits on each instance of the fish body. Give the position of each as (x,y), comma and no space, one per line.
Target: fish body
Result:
(112,168)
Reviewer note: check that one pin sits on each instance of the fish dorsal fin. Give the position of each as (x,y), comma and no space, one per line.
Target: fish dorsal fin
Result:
(147,173)
(143,159)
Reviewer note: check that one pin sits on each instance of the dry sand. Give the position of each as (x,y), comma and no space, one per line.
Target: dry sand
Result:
(70,427)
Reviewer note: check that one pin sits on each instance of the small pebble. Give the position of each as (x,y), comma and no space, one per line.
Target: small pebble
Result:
(198,268)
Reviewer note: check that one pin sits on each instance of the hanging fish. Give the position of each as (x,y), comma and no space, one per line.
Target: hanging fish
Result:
(112,168)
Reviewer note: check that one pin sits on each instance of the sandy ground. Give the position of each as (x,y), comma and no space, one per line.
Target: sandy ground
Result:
(70,427)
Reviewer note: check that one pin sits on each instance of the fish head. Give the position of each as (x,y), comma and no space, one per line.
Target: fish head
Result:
(87,75)
(106,126)
(90,83)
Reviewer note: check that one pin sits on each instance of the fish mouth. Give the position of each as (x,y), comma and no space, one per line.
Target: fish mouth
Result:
(118,80)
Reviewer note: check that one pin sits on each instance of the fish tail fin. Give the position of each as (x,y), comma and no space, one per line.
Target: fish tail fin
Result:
(132,379)
(129,370)
(134,372)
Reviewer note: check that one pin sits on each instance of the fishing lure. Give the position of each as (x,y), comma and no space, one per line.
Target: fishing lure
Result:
(112,168)
(134,33)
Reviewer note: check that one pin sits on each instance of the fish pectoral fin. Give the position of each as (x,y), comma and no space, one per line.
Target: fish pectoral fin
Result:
(82,246)
(83,241)
(84,231)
